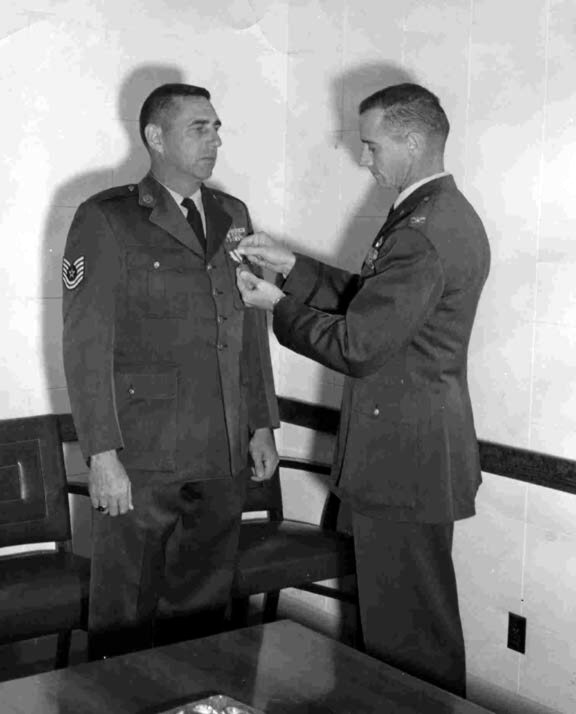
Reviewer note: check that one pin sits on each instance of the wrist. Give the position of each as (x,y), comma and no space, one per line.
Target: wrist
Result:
(287,267)
(277,299)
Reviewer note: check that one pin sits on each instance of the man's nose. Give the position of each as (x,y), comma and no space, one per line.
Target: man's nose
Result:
(365,157)
(215,139)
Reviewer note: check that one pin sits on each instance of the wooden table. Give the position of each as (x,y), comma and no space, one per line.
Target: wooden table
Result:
(281,667)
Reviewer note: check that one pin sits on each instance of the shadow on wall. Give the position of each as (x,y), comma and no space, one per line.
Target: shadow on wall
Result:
(135,88)
(349,88)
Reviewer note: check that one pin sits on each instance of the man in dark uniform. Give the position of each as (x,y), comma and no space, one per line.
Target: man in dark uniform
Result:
(407,455)
(170,383)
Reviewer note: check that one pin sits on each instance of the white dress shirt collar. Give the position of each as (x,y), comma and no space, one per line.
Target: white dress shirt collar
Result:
(407,191)
(196,197)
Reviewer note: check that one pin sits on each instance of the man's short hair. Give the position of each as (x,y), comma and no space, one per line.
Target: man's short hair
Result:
(161,101)
(410,107)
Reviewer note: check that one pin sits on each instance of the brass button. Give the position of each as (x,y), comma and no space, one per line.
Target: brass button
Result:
(209,266)
(220,319)
(156,265)
(376,411)
(220,346)
(131,391)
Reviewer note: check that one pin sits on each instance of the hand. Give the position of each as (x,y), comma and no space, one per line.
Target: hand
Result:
(255,291)
(109,485)
(264,455)
(262,250)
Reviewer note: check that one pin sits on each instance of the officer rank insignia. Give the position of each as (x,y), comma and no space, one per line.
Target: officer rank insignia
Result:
(73,273)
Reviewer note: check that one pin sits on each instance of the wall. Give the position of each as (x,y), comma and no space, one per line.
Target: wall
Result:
(286,77)
(505,81)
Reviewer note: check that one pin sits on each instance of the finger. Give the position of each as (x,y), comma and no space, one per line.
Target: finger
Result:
(130,502)
(259,468)
(113,507)
(270,469)
(234,255)
(247,279)
(249,241)
(255,476)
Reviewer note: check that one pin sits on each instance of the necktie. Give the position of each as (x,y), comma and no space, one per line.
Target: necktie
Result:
(195,220)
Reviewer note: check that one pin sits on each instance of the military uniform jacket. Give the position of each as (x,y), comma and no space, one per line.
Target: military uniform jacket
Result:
(162,361)
(399,331)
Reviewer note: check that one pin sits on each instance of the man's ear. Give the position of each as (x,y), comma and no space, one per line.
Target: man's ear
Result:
(153,134)
(415,143)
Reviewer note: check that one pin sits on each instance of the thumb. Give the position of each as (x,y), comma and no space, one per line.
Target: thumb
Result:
(247,278)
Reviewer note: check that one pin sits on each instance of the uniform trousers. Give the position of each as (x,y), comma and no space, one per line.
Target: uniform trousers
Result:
(163,571)
(408,599)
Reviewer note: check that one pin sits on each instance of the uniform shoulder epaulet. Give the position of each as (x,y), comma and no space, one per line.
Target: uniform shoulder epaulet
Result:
(130,189)
(226,198)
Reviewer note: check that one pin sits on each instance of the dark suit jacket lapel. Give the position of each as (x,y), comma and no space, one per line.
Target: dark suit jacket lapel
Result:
(218,221)
(166,214)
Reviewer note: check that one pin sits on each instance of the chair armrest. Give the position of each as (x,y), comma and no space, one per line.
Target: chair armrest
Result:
(315,467)
(78,487)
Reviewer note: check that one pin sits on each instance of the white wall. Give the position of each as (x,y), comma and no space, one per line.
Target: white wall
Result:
(286,78)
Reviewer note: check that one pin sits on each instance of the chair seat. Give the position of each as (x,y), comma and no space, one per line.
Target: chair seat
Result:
(277,554)
(42,593)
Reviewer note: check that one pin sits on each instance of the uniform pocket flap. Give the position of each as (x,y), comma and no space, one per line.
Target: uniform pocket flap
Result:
(148,386)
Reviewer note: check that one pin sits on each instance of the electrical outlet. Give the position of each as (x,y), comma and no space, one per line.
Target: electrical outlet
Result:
(517,633)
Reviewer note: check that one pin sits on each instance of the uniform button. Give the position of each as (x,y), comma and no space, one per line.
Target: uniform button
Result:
(220,346)
(220,319)
(209,266)
(131,391)
(156,265)
(376,411)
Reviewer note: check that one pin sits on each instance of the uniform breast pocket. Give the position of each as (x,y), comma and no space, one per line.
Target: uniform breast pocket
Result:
(157,285)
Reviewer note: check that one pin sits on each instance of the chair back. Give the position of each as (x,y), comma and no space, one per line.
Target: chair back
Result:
(33,495)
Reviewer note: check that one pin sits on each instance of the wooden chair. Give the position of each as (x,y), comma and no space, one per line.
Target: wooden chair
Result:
(277,553)
(42,591)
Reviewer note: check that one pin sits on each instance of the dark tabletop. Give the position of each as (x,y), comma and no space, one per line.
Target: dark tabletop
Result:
(279,668)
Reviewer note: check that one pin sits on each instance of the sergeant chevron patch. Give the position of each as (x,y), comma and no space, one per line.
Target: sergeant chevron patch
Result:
(73,273)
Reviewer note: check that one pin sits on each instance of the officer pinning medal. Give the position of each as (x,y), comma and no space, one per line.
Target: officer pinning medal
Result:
(406,458)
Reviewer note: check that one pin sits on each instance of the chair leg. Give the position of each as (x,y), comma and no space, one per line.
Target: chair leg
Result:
(271,606)
(63,649)
(239,610)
